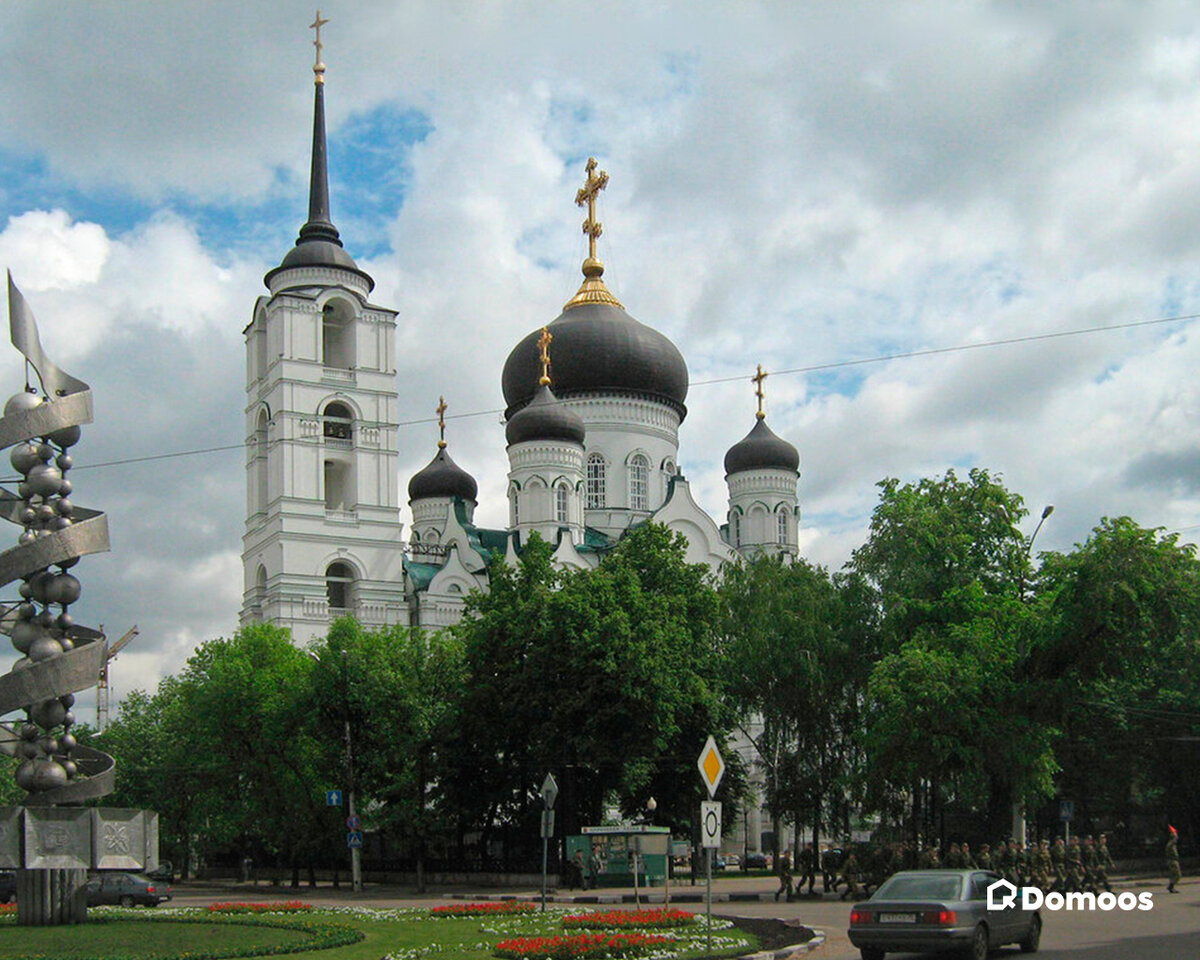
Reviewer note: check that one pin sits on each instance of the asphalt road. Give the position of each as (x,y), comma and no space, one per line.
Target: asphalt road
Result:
(1170,931)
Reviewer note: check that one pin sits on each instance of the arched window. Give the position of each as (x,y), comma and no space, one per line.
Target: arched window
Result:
(262,493)
(639,483)
(339,588)
(260,348)
(339,485)
(561,503)
(597,495)
(735,526)
(339,422)
(337,336)
(781,526)
(514,498)
(260,589)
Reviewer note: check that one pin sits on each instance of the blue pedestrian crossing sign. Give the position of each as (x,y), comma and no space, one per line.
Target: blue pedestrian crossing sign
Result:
(333,798)
(354,839)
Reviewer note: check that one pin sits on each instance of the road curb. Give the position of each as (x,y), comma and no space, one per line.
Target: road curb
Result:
(784,953)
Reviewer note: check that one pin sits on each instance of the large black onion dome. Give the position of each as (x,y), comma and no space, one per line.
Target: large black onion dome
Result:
(599,348)
(761,449)
(545,418)
(442,478)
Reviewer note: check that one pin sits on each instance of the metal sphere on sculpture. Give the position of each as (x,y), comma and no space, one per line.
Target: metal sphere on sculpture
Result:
(21,402)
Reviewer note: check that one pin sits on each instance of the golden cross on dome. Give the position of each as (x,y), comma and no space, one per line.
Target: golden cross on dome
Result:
(318,66)
(441,412)
(544,355)
(587,194)
(758,379)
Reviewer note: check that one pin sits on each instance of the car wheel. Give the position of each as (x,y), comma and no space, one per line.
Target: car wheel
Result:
(126,901)
(1033,937)
(872,953)
(978,950)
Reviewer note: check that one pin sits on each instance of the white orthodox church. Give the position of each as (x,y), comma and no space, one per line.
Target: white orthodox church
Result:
(594,403)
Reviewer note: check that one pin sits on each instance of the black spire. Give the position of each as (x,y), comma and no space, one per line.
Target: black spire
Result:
(319,226)
(319,244)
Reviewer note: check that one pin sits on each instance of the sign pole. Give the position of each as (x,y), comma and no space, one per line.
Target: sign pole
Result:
(712,769)
(549,795)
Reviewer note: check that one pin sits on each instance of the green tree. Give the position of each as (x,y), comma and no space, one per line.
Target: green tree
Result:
(1120,673)
(949,717)
(387,696)
(795,677)
(605,677)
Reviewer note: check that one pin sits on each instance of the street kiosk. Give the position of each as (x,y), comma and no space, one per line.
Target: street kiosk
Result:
(609,856)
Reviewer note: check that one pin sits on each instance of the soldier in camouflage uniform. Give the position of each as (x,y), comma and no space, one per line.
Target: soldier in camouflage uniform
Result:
(1043,868)
(968,861)
(954,857)
(1091,864)
(1173,872)
(1074,866)
(1000,859)
(806,862)
(1058,860)
(849,877)
(985,858)
(1104,863)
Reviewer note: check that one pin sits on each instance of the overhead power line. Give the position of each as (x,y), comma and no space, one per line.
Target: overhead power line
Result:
(813,368)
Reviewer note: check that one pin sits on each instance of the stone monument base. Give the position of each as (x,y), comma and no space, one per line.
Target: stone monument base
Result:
(51,897)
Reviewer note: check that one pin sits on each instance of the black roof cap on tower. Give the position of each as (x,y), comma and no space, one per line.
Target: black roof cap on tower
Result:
(319,244)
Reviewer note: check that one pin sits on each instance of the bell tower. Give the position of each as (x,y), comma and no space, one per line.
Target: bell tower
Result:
(322,536)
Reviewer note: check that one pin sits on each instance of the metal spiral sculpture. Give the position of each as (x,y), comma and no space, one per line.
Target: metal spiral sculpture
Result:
(60,657)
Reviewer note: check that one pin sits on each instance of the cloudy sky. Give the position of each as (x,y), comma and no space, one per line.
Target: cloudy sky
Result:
(802,185)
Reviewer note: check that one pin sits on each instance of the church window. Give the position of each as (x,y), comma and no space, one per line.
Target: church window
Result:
(337,336)
(561,503)
(260,349)
(597,495)
(260,590)
(339,587)
(639,483)
(735,522)
(781,526)
(339,422)
(261,490)
(339,478)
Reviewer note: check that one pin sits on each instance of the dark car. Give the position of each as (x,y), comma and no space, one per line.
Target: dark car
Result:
(927,910)
(125,889)
(8,887)
(754,861)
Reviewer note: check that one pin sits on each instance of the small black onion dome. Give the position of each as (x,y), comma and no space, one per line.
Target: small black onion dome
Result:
(761,449)
(442,478)
(319,253)
(545,418)
(599,348)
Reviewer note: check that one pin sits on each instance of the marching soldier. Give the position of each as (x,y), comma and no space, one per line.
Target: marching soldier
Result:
(968,861)
(1104,863)
(1074,866)
(849,876)
(1091,864)
(1173,871)
(806,861)
(1058,861)
(985,857)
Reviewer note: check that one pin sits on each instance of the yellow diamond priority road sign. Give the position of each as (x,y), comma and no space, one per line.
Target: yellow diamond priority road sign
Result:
(711,766)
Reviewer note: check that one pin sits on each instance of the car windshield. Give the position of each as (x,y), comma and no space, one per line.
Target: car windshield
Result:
(919,888)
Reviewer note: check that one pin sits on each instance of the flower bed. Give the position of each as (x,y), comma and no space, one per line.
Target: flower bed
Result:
(502,908)
(288,906)
(661,919)
(578,946)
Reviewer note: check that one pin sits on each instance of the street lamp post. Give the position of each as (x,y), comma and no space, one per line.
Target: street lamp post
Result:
(1018,808)
(355,851)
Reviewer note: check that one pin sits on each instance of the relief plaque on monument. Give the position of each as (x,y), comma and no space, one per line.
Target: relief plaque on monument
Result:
(57,838)
(118,839)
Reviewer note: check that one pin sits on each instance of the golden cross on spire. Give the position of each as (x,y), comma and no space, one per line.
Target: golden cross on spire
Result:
(441,412)
(593,289)
(544,355)
(587,194)
(318,66)
(758,379)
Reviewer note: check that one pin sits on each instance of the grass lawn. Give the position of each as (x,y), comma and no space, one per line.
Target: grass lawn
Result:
(406,934)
